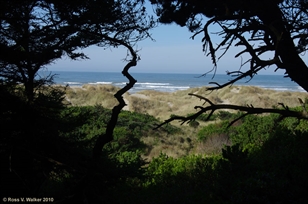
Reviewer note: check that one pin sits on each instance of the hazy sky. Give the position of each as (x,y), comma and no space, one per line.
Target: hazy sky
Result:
(172,52)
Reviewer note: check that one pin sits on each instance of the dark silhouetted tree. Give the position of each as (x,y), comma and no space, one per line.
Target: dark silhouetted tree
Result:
(33,34)
(271,32)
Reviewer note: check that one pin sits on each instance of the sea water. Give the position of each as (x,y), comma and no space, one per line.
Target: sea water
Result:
(169,82)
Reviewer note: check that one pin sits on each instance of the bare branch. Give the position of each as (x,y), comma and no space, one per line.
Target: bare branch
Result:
(249,73)
(201,98)
(108,136)
(286,112)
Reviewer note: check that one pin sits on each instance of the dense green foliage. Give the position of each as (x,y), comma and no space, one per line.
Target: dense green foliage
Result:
(266,162)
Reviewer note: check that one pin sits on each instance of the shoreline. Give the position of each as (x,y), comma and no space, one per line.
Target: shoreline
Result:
(281,89)
(173,82)
(163,104)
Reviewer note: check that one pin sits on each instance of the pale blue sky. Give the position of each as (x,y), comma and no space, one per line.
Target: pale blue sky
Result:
(172,52)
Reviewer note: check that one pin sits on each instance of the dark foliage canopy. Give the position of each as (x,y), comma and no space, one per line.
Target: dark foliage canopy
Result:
(35,33)
(277,28)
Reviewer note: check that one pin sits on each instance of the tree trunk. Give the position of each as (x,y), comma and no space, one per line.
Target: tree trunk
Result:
(29,88)
(108,136)
(295,67)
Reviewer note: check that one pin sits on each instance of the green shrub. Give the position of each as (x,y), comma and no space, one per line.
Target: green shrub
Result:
(128,163)
(253,131)
(168,170)
(214,129)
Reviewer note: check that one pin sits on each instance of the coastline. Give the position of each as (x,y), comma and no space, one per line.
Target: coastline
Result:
(171,82)
(162,104)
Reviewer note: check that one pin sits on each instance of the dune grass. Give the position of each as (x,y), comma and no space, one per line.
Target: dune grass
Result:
(162,105)
(92,95)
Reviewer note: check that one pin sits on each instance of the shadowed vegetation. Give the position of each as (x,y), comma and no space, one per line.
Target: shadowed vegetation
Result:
(257,159)
(76,145)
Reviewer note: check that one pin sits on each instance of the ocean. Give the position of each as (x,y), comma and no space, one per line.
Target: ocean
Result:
(169,82)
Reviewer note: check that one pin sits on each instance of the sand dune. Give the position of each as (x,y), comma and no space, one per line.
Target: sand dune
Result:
(163,104)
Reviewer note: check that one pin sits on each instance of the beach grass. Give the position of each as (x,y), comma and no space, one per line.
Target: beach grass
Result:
(92,95)
(162,105)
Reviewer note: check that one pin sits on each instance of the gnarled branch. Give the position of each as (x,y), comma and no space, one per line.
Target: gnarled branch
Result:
(285,112)
(108,136)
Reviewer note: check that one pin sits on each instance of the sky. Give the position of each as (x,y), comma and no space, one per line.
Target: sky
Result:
(173,51)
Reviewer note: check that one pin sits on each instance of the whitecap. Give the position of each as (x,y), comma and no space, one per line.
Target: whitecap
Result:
(301,89)
(153,84)
(100,82)
(120,83)
(162,88)
(72,83)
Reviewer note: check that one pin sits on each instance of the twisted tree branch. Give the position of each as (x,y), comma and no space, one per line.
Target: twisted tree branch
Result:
(285,112)
(108,136)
